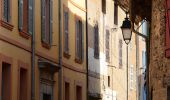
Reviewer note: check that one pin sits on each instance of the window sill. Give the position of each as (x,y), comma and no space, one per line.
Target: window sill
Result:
(7,25)
(46,45)
(79,61)
(66,55)
(24,34)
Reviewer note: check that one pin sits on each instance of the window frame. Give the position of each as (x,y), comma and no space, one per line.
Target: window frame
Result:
(6,24)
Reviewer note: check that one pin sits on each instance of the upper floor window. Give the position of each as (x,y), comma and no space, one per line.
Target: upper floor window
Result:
(79,40)
(25,17)
(46,22)
(115,13)
(120,53)
(107,46)
(143,58)
(66,31)
(104,6)
(96,41)
(6,10)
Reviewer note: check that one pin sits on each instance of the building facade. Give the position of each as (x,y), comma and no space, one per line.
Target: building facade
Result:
(107,55)
(74,49)
(26,61)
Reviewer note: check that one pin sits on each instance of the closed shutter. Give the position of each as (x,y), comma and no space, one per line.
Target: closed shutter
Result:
(30,17)
(66,18)
(20,14)
(96,42)
(107,45)
(6,10)
(77,39)
(82,41)
(43,24)
(167,51)
(51,21)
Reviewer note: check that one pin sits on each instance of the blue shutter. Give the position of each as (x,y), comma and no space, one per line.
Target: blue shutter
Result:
(30,17)
(51,21)
(43,26)
(20,14)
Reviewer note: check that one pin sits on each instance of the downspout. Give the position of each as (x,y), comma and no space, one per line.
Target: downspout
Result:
(60,52)
(87,79)
(33,56)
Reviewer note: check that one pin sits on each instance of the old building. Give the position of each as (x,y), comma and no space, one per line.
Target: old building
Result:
(74,49)
(26,61)
(107,54)
(156,12)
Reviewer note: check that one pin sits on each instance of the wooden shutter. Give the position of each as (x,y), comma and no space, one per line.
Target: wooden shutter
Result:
(43,21)
(77,38)
(167,51)
(51,21)
(30,17)
(96,41)
(82,41)
(20,14)
(66,38)
(107,45)
(5,10)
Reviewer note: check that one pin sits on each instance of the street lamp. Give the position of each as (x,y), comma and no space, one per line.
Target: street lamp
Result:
(127,33)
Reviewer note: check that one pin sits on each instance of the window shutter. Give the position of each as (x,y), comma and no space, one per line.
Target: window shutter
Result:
(5,14)
(66,18)
(82,41)
(77,38)
(167,51)
(43,26)
(51,21)
(30,17)
(20,14)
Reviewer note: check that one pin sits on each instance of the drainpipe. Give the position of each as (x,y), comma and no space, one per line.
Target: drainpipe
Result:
(147,54)
(60,81)
(87,75)
(33,56)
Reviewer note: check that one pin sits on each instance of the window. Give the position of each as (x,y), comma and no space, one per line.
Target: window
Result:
(96,41)
(107,46)
(46,85)
(6,81)
(67,91)
(120,53)
(6,11)
(78,93)
(66,31)
(115,13)
(25,17)
(104,6)
(167,50)
(131,77)
(23,84)
(108,81)
(79,41)
(46,22)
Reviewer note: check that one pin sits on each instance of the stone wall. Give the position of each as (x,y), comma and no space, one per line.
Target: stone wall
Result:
(159,65)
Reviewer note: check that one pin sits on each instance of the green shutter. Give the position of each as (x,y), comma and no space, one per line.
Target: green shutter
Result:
(30,17)
(51,21)
(43,26)
(20,14)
